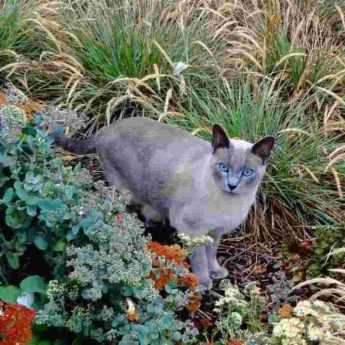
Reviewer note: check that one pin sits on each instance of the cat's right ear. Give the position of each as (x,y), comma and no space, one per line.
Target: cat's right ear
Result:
(219,138)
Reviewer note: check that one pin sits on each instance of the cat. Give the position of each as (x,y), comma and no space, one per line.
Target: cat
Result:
(200,187)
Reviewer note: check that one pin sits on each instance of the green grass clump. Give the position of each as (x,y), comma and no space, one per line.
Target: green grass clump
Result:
(298,42)
(16,31)
(110,54)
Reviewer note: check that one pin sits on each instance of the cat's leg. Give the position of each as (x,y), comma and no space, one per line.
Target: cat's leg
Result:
(216,271)
(184,224)
(198,260)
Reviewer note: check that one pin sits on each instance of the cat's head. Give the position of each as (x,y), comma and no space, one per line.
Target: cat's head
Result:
(238,166)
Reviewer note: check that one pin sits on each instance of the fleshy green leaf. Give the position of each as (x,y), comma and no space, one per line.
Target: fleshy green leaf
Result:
(9,293)
(13,260)
(8,196)
(59,246)
(41,242)
(17,219)
(50,205)
(33,284)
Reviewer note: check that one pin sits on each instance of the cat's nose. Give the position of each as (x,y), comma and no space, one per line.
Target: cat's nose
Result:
(232,186)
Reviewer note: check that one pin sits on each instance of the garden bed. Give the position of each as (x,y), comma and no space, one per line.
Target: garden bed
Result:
(258,68)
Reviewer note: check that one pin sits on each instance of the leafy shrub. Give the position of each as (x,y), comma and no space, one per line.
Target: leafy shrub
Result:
(309,322)
(40,198)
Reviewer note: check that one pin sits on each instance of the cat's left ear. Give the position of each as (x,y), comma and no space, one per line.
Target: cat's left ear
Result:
(264,147)
(219,138)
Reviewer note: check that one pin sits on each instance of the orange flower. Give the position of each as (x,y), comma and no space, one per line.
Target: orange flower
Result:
(30,107)
(2,98)
(15,324)
(285,311)
(164,277)
(190,280)
(172,253)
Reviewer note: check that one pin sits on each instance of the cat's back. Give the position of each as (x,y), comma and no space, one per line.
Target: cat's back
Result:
(147,129)
(141,132)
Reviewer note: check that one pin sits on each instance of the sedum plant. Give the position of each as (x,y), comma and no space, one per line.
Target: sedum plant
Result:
(108,296)
(313,322)
(237,310)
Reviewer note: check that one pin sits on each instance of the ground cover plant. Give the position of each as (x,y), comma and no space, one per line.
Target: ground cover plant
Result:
(256,67)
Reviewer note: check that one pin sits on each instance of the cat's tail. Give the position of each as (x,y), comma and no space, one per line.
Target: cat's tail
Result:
(76,146)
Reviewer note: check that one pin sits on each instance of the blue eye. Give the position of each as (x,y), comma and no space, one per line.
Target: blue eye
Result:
(248,172)
(222,168)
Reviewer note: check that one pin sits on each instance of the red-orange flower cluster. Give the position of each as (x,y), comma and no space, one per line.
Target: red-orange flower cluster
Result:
(172,253)
(285,311)
(163,275)
(15,324)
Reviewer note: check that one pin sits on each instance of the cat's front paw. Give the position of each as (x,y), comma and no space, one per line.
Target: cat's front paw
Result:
(219,273)
(204,285)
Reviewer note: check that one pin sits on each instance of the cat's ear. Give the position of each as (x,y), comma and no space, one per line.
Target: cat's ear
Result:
(264,147)
(219,138)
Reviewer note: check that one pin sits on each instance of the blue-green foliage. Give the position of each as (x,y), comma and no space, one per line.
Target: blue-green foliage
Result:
(40,197)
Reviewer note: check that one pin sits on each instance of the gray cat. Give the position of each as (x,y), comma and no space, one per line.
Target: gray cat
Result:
(201,188)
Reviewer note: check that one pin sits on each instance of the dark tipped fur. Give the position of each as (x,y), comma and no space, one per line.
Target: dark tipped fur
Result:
(76,146)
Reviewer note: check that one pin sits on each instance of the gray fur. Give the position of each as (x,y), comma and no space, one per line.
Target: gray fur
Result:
(175,175)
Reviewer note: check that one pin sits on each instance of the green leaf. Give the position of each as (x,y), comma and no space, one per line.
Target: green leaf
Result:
(9,293)
(32,200)
(50,205)
(33,284)
(41,242)
(8,196)
(38,341)
(5,160)
(59,246)
(22,194)
(21,237)
(31,210)
(16,219)
(13,260)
